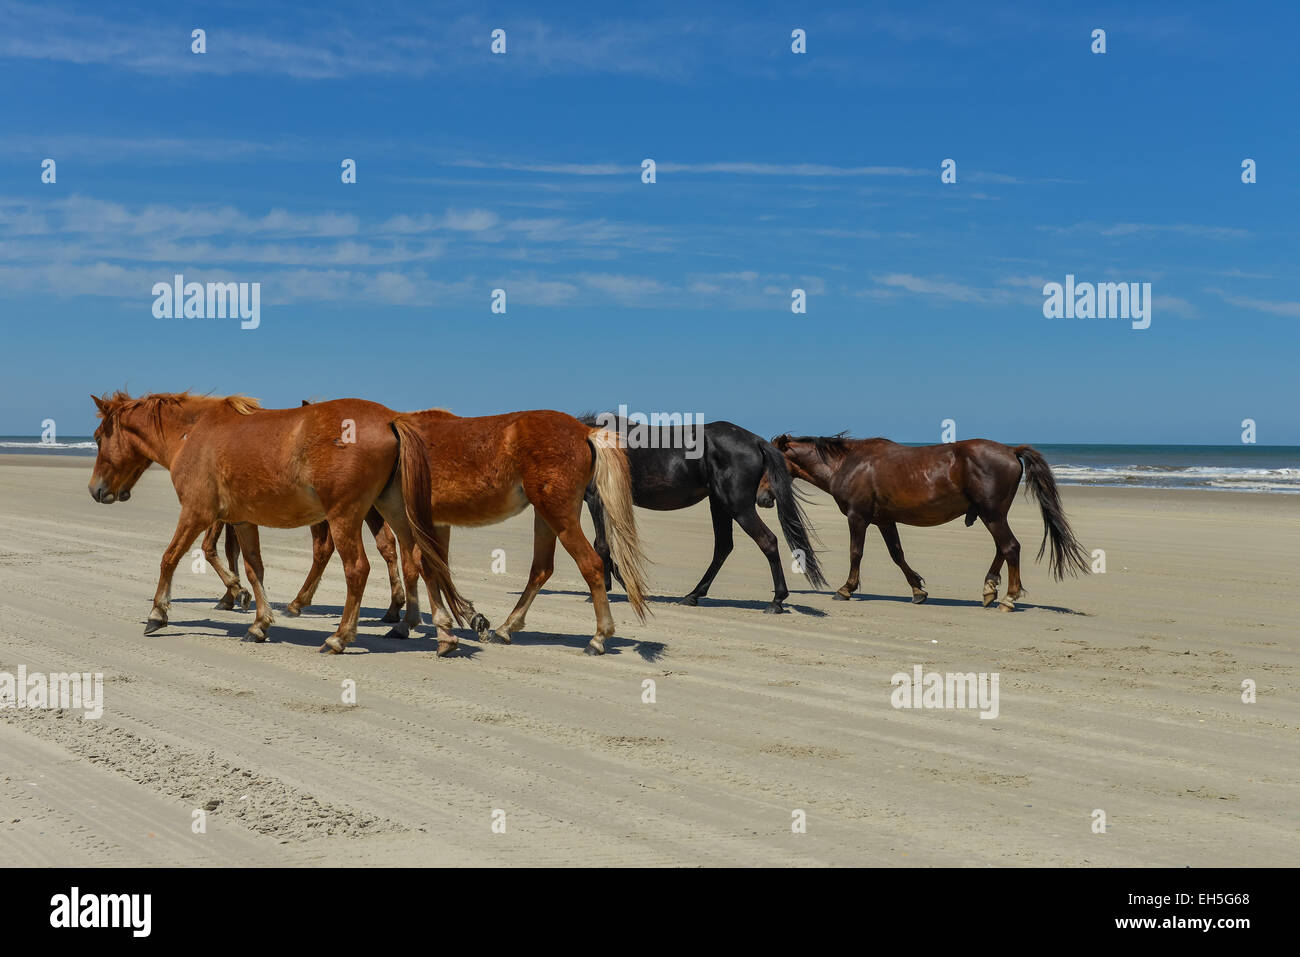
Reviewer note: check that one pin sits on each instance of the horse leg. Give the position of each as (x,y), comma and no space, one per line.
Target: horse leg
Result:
(187,529)
(723,543)
(1009,552)
(346,532)
(228,575)
(386,542)
(442,620)
(588,562)
(232,562)
(747,518)
(889,532)
(543,566)
(600,543)
(992,579)
(249,542)
(322,548)
(857,538)
(411,577)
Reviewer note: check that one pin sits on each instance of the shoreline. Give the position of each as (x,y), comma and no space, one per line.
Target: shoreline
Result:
(85,459)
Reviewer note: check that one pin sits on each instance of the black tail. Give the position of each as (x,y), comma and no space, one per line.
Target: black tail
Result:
(1067,554)
(794,523)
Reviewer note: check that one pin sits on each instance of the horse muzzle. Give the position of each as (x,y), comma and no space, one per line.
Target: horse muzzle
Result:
(100,493)
(764,500)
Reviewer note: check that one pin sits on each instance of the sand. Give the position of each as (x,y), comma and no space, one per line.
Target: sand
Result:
(1120,693)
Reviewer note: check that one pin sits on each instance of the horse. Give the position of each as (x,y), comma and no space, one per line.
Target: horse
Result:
(232,461)
(486,469)
(728,471)
(322,549)
(876,480)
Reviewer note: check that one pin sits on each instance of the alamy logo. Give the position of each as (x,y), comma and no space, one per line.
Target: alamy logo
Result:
(946,691)
(73,692)
(637,430)
(1104,300)
(103,910)
(179,299)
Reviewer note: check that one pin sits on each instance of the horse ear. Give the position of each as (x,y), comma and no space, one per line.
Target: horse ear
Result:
(305,402)
(100,404)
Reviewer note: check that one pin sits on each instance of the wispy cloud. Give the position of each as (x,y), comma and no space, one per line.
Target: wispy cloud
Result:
(158,150)
(670,167)
(1151,229)
(1275,307)
(400,42)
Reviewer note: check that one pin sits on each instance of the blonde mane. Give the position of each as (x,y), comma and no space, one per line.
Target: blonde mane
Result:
(154,403)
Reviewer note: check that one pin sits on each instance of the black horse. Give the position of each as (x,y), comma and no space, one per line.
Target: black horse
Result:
(675,467)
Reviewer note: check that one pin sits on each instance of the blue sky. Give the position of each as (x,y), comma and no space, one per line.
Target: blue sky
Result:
(819,171)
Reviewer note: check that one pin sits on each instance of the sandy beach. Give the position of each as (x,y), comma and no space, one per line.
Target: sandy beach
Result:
(1121,692)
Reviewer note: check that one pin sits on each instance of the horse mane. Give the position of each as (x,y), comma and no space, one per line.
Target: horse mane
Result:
(829,448)
(154,403)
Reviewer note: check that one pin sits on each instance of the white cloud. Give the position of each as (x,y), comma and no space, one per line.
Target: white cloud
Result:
(1275,307)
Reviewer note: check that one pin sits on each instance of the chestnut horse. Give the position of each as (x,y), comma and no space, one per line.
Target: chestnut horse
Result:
(876,480)
(322,549)
(234,462)
(486,469)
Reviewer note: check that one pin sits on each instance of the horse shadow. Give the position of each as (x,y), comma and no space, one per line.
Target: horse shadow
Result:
(1022,604)
(705,602)
(421,640)
(646,650)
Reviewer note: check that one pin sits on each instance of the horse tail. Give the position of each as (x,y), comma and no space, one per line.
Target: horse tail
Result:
(613,482)
(794,522)
(413,465)
(1067,554)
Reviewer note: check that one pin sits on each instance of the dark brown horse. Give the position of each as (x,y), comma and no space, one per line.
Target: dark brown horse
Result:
(231,461)
(485,469)
(876,480)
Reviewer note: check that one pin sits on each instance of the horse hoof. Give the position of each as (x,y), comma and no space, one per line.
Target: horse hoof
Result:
(1006,604)
(594,648)
(498,637)
(153,625)
(774,609)
(394,614)
(332,646)
(919,597)
(447,648)
(256,634)
(399,632)
(226,604)
(481,625)
(840,596)
(689,600)
(293,611)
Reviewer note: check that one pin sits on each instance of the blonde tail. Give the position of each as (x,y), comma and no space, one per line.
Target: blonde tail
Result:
(413,462)
(614,486)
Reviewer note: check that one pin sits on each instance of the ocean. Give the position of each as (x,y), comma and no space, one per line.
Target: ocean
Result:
(1235,468)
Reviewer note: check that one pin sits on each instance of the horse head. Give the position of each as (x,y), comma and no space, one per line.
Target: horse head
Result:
(123,453)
